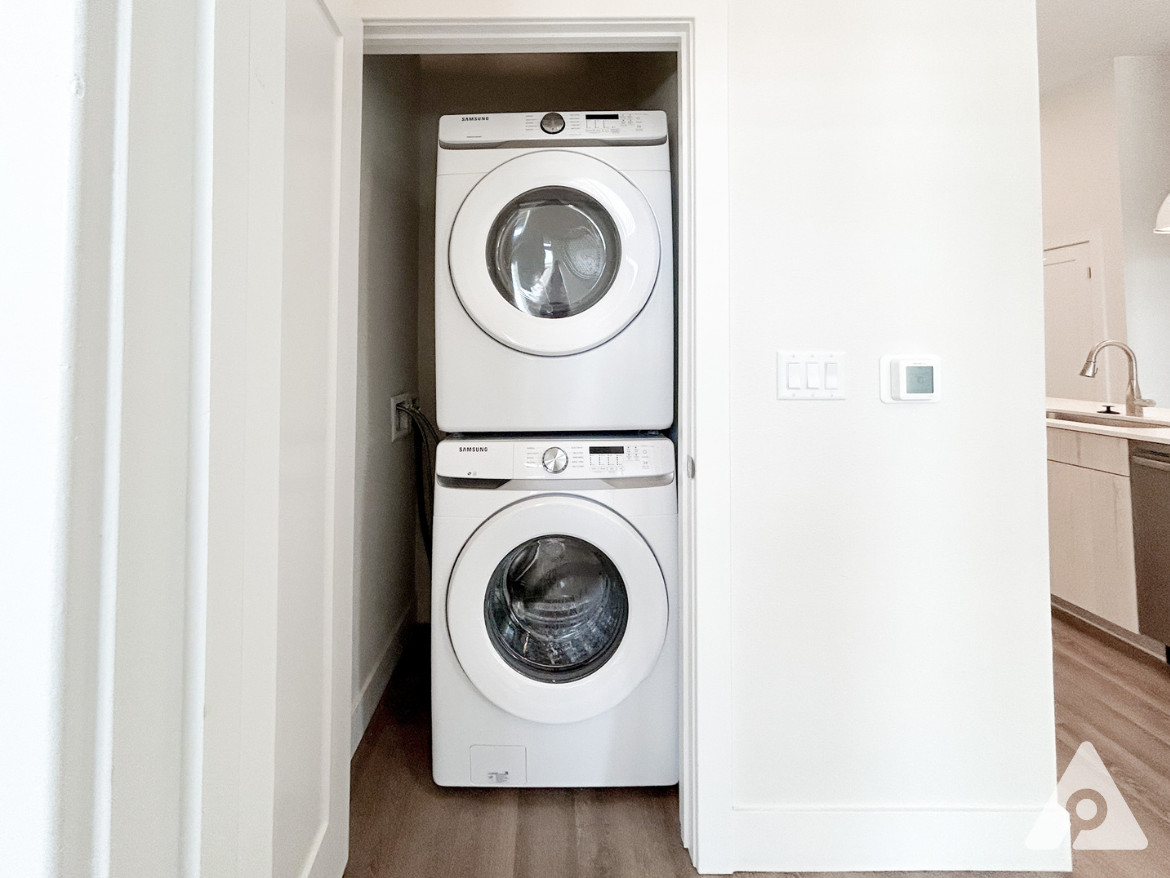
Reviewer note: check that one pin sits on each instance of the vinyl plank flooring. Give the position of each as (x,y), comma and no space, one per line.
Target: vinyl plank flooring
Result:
(1119,702)
(546,836)
(1143,679)
(630,832)
(402,824)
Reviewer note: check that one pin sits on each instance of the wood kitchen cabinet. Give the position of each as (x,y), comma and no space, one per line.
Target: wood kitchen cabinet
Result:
(1090,524)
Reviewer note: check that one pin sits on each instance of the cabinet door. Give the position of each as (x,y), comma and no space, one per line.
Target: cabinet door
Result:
(1090,537)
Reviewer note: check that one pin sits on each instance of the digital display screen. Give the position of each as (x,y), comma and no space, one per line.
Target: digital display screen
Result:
(607,449)
(920,379)
(601,115)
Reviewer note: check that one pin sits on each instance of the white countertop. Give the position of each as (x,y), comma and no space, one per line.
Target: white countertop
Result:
(1147,434)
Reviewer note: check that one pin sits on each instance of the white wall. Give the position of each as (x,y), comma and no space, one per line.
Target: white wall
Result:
(388,293)
(1080,170)
(892,682)
(37,189)
(1143,132)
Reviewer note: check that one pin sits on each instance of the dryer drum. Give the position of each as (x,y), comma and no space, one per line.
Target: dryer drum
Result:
(553,252)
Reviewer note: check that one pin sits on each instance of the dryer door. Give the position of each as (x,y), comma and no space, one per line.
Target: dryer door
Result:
(556,608)
(554,253)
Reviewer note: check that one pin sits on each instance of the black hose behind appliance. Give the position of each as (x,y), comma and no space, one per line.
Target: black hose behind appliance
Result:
(425,448)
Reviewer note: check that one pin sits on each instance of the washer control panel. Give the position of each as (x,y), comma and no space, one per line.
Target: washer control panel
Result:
(591,460)
(556,458)
(611,127)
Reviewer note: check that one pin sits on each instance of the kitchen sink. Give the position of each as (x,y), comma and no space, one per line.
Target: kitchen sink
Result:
(1105,420)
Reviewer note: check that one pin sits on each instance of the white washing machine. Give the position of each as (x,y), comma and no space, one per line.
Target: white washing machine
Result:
(554,272)
(554,633)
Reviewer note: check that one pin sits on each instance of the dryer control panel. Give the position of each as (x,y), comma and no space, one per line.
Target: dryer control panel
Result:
(601,127)
(559,458)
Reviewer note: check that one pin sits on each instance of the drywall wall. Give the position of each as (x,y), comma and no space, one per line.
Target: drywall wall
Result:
(1081,174)
(388,294)
(37,185)
(1142,86)
(892,685)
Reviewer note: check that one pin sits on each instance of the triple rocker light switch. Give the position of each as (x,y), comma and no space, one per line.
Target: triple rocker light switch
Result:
(810,375)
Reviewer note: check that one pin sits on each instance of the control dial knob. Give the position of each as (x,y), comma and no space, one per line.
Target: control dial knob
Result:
(552,123)
(554,460)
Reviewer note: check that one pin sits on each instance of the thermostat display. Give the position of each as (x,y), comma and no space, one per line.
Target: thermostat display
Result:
(919,380)
(909,379)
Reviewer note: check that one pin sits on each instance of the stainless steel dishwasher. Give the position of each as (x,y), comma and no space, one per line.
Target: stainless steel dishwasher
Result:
(1149,470)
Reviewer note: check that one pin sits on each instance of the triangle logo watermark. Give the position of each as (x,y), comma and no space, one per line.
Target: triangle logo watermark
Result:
(1087,804)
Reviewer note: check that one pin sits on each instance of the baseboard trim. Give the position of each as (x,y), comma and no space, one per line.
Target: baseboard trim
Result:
(1129,641)
(375,683)
(833,840)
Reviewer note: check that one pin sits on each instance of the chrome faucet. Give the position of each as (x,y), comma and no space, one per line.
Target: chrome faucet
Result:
(1133,395)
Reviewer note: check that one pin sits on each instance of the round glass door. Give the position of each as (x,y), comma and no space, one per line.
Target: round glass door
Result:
(553,252)
(556,608)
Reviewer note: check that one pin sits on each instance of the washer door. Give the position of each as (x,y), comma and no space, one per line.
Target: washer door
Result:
(554,253)
(556,609)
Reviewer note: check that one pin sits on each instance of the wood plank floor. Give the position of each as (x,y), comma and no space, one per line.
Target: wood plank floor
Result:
(404,825)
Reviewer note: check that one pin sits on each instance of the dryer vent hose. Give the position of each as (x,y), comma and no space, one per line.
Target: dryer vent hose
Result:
(425,448)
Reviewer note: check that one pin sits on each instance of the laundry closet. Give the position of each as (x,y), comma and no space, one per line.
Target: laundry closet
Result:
(403,97)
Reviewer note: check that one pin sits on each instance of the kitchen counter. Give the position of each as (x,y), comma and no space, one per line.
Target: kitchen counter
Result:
(1145,434)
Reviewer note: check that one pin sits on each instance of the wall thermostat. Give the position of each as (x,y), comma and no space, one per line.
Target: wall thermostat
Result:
(910,379)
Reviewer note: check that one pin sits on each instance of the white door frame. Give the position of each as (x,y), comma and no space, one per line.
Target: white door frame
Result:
(705,749)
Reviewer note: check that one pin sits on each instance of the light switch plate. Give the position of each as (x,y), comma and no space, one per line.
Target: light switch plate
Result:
(795,380)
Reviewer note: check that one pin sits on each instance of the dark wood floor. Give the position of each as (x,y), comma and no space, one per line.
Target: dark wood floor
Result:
(404,825)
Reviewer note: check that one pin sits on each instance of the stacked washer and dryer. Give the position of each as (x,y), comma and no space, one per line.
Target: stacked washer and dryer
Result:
(554,645)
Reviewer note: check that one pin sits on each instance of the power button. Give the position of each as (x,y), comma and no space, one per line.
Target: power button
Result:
(552,123)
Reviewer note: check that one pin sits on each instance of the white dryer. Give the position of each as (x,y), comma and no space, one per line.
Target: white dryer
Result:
(554,633)
(554,272)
